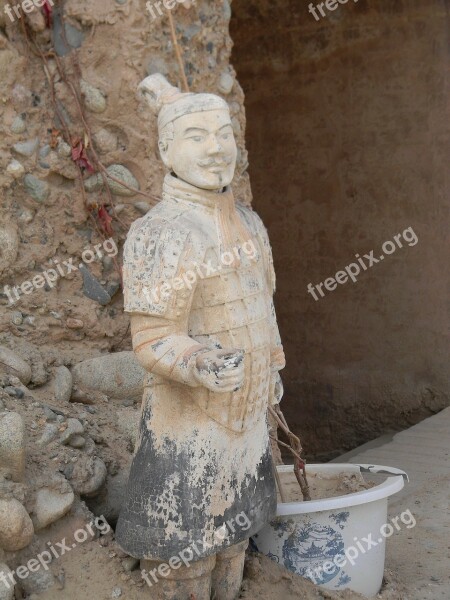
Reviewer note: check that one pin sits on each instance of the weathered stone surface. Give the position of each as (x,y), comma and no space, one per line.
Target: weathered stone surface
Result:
(77,441)
(18,125)
(95,182)
(226,83)
(74,428)
(70,38)
(49,434)
(92,288)
(88,476)
(118,375)
(37,583)
(16,527)
(143,207)
(50,506)
(11,363)
(128,423)
(12,445)
(38,189)
(6,591)
(9,246)
(63,384)
(27,148)
(105,141)
(110,500)
(94,99)
(15,169)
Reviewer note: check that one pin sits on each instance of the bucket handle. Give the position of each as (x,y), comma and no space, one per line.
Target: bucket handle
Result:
(383,470)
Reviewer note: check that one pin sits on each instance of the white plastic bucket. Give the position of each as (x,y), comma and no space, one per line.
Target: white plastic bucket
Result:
(313,539)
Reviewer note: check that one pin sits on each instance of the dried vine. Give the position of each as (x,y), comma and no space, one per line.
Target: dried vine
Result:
(295,448)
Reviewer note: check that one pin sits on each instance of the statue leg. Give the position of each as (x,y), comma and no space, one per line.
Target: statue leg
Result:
(228,572)
(184,583)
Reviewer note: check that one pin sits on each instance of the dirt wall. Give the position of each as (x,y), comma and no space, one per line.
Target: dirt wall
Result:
(102,51)
(349,140)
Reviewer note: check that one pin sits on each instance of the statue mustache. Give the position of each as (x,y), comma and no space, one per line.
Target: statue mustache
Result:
(216,162)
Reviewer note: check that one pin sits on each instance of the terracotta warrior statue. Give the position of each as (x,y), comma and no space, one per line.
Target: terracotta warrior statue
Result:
(198,283)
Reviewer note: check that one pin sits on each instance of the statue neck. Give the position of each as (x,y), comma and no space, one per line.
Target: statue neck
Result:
(174,187)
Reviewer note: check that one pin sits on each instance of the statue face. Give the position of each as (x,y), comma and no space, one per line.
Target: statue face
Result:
(203,150)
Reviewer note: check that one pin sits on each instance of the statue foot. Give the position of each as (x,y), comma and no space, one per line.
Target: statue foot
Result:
(179,583)
(228,572)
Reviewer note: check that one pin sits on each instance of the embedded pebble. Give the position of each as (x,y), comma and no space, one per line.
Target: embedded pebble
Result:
(71,38)
(92,288)
(12,445)
(116,593)
(94,99)
(18,125)
(48,413)
(9,246)
(15,168)
(78,441)
(226,83)
(143,207)
(105,141)
(16,527)
(74,428)
(44,151)
(63,384)
(72,323)
(14,392)
(63,150)
(37,583)
(130,564)
(50,506)
(118,375)
(6,586)
(95,182)
(49,434)
(88,475)
(27,148)
(13,364)
(39,190)
(26,216)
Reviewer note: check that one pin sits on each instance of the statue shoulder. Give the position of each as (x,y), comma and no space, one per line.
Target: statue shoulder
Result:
(159,231)
(257,229)
(252,220)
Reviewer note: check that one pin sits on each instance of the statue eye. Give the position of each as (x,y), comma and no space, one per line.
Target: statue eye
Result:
(196,138)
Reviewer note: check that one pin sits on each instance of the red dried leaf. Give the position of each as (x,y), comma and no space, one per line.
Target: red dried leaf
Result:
(80,156)
(105,220)
(47,10)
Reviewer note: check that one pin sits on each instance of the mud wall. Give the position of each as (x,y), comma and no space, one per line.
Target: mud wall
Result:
(102,49)
(349,140)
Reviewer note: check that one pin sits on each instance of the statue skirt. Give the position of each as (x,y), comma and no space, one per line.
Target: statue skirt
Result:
(194,485)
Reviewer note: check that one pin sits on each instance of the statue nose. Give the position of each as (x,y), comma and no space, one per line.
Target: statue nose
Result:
(214,147)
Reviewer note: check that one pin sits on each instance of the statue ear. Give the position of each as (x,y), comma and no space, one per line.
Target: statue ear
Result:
(163,146)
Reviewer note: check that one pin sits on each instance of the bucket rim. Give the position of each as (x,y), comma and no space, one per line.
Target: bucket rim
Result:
(382,491)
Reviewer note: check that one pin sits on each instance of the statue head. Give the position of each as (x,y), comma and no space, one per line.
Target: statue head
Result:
(196,139)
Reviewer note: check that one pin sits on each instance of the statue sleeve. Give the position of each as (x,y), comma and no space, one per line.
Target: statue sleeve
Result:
(163,347)
(158,290)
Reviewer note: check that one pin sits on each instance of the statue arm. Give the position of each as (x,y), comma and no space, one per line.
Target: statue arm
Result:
(163,347)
